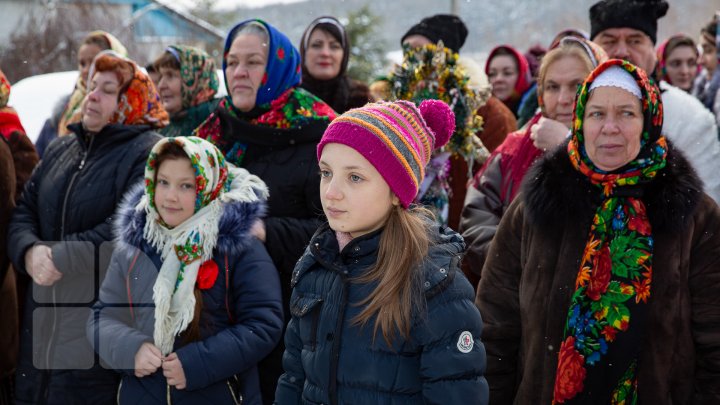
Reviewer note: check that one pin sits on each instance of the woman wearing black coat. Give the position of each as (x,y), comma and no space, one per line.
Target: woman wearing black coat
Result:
(58,232)
(270,126)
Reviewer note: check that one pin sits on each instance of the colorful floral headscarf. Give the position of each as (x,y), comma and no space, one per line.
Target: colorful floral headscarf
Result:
(187,246)
(197,73)
(282,71)
(139,102)
(605,321)
(9,119)
(70,114)
(4,90)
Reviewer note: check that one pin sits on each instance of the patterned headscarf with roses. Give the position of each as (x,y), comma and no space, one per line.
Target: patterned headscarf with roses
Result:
(187,249)
(606,318)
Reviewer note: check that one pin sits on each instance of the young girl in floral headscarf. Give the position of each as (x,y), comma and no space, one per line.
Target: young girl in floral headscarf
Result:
(187,86)
(192,299)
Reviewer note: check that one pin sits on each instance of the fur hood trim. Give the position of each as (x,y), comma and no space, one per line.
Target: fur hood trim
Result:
(233,229)
(554,192)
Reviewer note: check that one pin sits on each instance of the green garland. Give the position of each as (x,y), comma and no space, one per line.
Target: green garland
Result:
(433,72)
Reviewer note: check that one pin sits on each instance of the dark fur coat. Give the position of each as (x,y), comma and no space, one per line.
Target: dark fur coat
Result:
(531,268)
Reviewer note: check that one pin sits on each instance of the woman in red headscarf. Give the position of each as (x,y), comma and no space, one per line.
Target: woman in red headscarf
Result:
(509,74)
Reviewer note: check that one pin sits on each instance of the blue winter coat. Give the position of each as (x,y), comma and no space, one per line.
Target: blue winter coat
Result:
(239,325)
(329,360)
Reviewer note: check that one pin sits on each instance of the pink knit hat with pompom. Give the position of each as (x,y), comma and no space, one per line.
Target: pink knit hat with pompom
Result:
(397,138)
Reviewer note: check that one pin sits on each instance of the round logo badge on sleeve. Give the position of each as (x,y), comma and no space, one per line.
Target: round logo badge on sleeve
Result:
(465,342)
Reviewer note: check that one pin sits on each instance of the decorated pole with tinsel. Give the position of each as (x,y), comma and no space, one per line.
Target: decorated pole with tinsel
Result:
(433,72)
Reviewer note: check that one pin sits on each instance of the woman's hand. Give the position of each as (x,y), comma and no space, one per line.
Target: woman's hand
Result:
(147,360)
(39,265)
(258,230)
(547,134)
(173,371)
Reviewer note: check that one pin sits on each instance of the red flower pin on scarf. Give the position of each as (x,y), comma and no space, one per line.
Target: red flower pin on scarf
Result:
(207,275)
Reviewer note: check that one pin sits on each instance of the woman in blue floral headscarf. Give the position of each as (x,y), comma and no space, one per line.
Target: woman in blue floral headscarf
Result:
(601,283)
(269,126)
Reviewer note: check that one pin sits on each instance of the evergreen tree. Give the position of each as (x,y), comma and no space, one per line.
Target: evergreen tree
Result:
(367,50)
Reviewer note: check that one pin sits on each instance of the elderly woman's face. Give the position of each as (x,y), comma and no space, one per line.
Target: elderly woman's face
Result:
(101,101)
(246,62)
(612,127)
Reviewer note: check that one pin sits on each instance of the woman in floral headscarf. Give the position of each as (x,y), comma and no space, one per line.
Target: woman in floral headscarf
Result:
(185,246)
(94,43)
(270,126)
(601,283)
(187,86)
(64,217)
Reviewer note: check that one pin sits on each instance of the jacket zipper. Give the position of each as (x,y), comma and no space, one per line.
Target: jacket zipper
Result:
(335,353)
(71,184)
(169,400)
(232,393)
(117,398)
(48,352)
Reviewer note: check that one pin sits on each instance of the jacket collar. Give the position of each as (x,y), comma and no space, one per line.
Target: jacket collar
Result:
(439,266)
(555,192)
(111,133)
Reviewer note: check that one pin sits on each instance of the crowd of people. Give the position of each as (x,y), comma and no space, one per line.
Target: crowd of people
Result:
(545,230)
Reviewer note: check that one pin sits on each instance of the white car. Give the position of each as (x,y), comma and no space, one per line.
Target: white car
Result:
(34,97)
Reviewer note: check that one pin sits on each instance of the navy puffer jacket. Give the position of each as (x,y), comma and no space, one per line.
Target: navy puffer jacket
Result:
(329,360)
(241,321)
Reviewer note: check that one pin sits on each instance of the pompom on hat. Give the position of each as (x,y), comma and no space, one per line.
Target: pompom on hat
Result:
(397,138)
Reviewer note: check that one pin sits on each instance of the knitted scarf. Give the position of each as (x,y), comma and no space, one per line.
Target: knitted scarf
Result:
(185,247)
(605,321)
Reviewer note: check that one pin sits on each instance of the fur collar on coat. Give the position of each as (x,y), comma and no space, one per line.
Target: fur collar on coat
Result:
(555,192)
(233,230)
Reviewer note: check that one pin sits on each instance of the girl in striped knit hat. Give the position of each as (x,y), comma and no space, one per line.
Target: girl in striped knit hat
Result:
(381,312)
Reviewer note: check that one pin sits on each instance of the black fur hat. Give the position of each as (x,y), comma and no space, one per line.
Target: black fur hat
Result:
(446,27)
(638,14)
